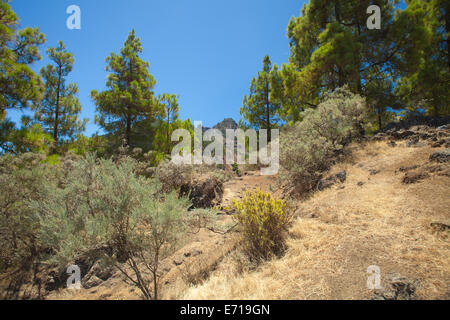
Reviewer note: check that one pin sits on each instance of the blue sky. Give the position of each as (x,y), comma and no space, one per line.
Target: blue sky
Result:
(206,51)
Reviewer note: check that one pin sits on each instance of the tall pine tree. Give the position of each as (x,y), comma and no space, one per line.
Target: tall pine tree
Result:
(167,122)
(332,46)
(59,109)
(19,85)
(429,86)
(129,98)
(260,108)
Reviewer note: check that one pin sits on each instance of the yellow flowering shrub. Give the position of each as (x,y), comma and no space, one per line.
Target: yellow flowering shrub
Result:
(264,222)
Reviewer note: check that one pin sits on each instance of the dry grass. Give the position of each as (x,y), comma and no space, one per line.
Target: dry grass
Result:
(337,234)
(341,231)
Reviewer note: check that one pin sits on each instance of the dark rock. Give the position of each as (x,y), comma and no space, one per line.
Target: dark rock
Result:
(331,180)
(392,143)
(414,140)
(52,281)
(439,227)
(203,193)
(402,134)
(88,263)
(92,282)
(441,156)
(411,120)
(100,271)
(360,184)
(178,262)
(433,168)
(438,143)
(341,176)
(374,172)
(378,137)
(428,136)
(398,288)
(413,177)
(403,169)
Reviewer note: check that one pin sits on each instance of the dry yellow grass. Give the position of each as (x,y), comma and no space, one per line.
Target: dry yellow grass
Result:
(337,234)
(341,231)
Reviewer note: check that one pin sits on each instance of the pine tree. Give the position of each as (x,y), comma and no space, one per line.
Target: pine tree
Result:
(260,108)
(58,111)
(167,124)
(331,46)
(130,98)
(19,85)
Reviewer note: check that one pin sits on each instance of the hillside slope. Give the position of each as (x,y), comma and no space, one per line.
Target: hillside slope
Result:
(373,218)
(390,211)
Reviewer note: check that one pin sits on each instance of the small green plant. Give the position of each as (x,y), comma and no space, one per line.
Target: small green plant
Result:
(236,169)
(264,221)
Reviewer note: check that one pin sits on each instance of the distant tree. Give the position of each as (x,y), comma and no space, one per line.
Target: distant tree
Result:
(19,85)
(260,108)
(167,121)
(129,98)
(29,138)
(58,111)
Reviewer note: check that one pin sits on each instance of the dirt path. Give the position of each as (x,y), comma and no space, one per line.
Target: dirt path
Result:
(196,259)
(370,219)
(252,180)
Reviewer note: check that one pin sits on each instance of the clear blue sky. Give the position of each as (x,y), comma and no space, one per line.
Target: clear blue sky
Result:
(206,51)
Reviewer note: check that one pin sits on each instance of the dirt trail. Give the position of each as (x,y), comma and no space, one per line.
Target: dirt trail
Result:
(196,259)
(370,219)
(251,180)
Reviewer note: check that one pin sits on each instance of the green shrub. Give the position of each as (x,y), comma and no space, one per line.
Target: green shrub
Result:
(236,169)
(308,147)
(173,176)
(21,179)
(264,221)
(108,204)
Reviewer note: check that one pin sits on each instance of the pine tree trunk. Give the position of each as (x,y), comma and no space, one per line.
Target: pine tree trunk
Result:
(379,119)
(128,129)
(168,132)
(58,91)
(268,125)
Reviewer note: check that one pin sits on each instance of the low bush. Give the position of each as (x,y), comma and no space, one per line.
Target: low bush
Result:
(308,147)
(173,176)
(21,179)
(264,222)
(107,204)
